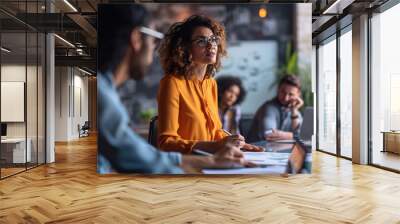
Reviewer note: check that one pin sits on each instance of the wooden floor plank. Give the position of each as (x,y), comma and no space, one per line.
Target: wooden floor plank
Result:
(70,191)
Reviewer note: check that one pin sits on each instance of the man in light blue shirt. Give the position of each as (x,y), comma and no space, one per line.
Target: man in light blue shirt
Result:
(116,138)
(279,118)
(126,45)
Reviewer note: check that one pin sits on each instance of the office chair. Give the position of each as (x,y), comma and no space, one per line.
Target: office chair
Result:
(245,123)
(86,126)
(84,130)
(153,132)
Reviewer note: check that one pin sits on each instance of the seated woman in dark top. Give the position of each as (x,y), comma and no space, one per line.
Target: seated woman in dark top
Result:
(230,94)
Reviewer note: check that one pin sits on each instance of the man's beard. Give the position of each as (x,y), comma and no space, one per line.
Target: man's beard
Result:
(137,71)
(285,106)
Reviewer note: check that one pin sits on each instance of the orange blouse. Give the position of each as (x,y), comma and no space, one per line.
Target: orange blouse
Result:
(187,113)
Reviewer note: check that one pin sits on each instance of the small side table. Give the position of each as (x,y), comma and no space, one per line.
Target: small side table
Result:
(391,141)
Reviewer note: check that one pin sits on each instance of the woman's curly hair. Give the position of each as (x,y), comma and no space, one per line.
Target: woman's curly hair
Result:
(175,47)
(226,82)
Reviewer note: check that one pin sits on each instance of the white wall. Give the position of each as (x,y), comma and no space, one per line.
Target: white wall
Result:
(80,101)
(12,73)
(71,102)
(61,103)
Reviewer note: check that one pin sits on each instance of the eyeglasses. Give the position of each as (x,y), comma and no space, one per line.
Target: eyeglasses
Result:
(203,41)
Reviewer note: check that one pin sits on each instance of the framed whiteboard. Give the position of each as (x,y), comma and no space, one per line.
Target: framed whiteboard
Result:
(12,101)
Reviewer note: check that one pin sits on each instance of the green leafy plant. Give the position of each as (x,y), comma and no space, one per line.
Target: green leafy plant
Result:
(146,115)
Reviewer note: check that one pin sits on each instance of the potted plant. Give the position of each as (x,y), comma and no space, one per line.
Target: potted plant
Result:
(147,114)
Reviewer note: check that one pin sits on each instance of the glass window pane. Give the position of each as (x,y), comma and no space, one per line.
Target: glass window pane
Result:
(14,153)
(327,97)
(346,94)
(22,63)
(385,84)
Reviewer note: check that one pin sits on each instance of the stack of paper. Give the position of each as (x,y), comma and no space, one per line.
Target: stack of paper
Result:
(270,162)
(267,158)
(257,170)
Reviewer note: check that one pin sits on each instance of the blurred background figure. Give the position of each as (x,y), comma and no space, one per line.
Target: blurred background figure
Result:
(280,118)
(230,94)
(125,52)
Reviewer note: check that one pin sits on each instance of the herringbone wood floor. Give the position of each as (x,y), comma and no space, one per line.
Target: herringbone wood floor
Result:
(70,191)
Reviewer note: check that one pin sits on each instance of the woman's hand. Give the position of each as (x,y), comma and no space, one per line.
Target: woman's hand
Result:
(239,141)
(215,146)
(252,148)
(230,156)
(235,140)
(226,156)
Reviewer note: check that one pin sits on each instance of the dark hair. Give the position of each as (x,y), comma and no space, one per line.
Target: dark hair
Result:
(292,80)
(226,82)
(115,24)
(174,48)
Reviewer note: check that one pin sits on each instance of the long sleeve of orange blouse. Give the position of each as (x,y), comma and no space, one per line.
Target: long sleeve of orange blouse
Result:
(187,113)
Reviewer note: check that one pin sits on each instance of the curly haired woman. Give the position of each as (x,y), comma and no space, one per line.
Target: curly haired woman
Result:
(190,55)
(230,94)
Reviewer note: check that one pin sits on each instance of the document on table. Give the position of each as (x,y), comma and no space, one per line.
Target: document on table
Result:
(267,158)
(284,141)
(270,162)
(256,170)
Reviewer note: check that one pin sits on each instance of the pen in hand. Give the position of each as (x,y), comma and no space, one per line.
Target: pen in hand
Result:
(236,137)
(227,132)
(246,146)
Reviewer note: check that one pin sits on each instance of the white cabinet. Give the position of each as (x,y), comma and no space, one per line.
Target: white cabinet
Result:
(16,147)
